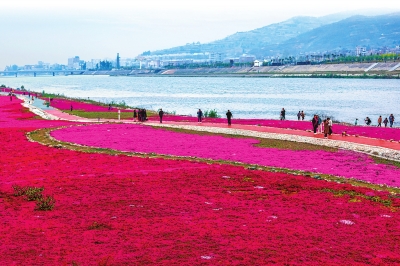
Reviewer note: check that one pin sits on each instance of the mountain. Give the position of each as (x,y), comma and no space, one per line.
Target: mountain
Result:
(377,31)
(243,42)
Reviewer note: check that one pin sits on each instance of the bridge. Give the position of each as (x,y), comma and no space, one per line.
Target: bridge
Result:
(40,72)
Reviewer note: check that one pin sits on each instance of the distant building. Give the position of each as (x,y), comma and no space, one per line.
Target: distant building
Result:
(247,59)
(74,63)
(216,57)
(361,51)
(118,65)
(153,64)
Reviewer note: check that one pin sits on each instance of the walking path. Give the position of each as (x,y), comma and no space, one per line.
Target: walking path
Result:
(377,147)
(338,137)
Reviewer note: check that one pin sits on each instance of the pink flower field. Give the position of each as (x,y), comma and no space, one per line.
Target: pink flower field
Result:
(123,210)
(127,138)
(365,131)
(64,104)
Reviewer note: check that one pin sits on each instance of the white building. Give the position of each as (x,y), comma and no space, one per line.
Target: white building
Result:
(361,51)
(216,57)
(73,63)
(247,59)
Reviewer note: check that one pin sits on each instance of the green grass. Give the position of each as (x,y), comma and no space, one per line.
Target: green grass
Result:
(263,143)
(385,161)
(105,115)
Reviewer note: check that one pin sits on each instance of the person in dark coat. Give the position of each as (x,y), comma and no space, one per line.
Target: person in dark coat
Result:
(385,122)
(139,113)
(283,113)
(229,117)
(199,115)
(367,121)
(314,122)
(160,114)
(134,115)
(391,120)
(144,115)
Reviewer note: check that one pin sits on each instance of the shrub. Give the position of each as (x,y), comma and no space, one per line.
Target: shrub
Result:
(18,191)
(98,226)
(45,203)
(33,193)
(211,113)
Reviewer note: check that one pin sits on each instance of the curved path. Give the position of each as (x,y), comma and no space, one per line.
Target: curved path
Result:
(298,135)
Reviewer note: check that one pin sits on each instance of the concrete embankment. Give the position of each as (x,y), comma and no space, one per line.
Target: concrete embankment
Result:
(355,70)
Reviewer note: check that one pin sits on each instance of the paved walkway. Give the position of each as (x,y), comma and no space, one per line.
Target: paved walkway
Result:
(351,139)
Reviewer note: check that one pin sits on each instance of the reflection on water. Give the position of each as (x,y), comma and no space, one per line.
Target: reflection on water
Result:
(344,99)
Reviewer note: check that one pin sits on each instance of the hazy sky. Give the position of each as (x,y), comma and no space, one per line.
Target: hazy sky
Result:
(52,31)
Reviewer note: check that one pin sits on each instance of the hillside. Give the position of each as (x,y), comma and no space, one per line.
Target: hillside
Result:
(377,31)
(243,42)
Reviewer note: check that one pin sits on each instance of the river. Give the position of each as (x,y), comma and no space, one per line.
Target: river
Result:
(342,99)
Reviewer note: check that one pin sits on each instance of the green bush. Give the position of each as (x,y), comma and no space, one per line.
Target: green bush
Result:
(211,113)
(33,193)
(45,203)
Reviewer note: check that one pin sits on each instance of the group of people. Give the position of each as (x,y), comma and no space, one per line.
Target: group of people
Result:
(368,121)
(140,115)
(301,115)
(322,126)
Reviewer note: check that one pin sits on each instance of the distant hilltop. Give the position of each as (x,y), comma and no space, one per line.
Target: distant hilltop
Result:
(339,33)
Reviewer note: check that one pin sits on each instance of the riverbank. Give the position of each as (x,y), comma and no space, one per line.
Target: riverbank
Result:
(382,70)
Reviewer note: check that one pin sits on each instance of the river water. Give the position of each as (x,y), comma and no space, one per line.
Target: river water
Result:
(342,99)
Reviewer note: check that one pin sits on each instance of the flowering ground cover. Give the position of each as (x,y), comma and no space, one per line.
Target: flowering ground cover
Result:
(125,137)
(13,115)
(365,131)
(122,210)
(85,109)
(65,105)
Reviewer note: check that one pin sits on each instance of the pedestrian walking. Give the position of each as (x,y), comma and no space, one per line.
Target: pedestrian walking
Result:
(109,107)
(314,122)
(329,126)
(283,113)
(71,108)
(380,121)
(326,128)
(160,114)
(199,116)
(139,113)
(144,115)
(385,122)
(391,120)
(302,115)
(320,124)
(298,116)
(134,115)
(356,122)
(229,117)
